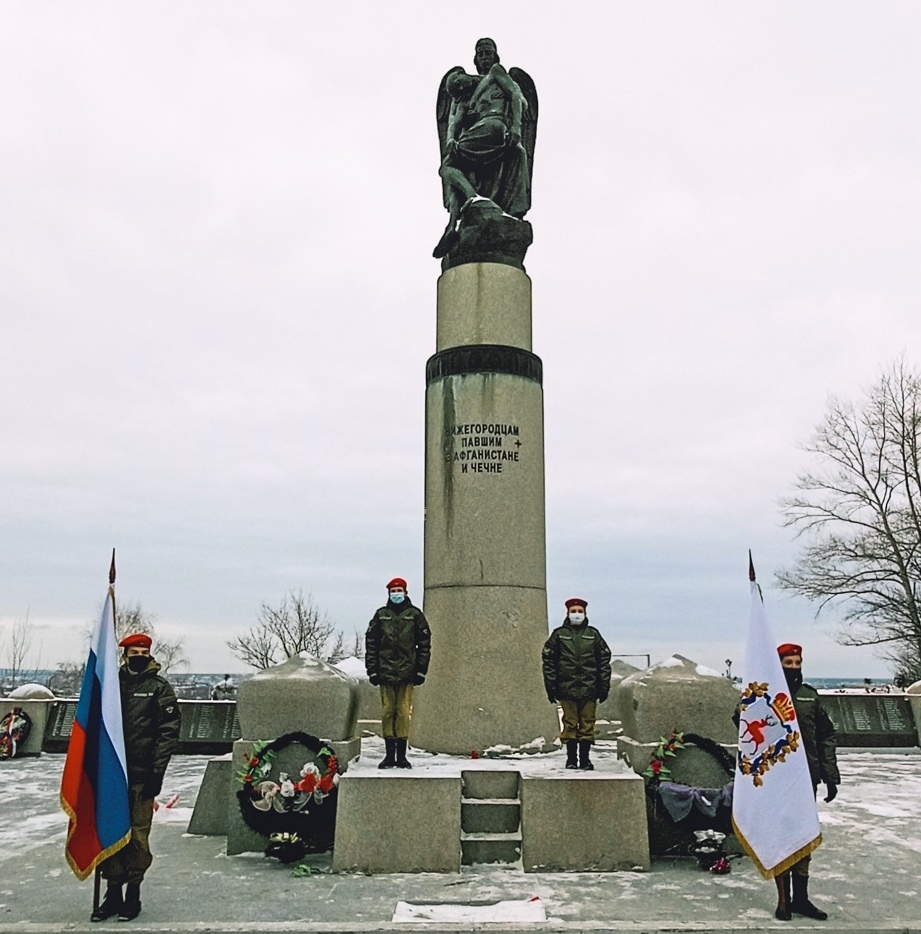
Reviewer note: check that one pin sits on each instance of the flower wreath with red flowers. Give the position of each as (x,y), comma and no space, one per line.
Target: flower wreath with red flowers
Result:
(657,769)
(298,810)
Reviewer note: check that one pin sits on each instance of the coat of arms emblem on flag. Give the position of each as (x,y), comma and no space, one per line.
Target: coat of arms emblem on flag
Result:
(767,730)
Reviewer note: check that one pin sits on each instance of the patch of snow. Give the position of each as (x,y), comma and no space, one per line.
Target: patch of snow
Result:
(668,663)
(707,672)
(353,667)
(31,691)
(528,911)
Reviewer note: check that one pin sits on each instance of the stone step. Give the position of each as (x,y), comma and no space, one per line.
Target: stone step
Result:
(479,848)
(490,815)
(487,783)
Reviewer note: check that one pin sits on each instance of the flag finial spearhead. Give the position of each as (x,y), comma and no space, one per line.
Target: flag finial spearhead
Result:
(112,569)
(751,567)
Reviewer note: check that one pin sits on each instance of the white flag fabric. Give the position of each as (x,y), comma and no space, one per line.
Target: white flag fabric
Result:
(773,803)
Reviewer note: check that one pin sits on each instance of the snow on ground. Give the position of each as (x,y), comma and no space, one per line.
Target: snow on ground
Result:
(534,765)
(30,809)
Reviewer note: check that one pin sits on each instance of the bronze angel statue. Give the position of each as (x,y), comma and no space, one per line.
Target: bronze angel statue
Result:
(487,125)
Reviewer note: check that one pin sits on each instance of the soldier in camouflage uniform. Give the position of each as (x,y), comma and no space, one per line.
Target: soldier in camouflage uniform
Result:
(398,646)
(150,721)
(577,673)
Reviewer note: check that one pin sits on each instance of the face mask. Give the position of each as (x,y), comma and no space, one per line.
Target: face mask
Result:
(577,617)
(137,663)
(396,597)
(794,678)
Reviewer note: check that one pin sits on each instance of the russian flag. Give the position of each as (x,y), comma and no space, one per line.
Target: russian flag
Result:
(94,789)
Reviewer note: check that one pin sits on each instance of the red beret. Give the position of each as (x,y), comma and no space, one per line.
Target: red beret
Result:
(397,582)
(789,648)
(139,639)
(575,601)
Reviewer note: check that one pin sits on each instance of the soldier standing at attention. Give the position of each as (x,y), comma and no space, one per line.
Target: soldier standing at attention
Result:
(398,646)
(150,721)
(819,740)
(577,673)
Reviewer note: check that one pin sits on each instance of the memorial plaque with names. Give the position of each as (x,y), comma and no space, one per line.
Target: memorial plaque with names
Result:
(870,720)
(208,727)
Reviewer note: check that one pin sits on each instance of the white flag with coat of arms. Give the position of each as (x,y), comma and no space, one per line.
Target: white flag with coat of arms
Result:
(773,805)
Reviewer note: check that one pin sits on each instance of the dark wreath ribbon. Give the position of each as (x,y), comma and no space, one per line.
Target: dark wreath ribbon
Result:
(314,822)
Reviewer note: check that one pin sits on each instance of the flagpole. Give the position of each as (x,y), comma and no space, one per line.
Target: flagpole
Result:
(97,875)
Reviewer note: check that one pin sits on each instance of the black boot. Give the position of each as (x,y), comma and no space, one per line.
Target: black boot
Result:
(131,907)
(390,760)
(782,911)
(800,904)
(571,747)
(585,746)
(402,761)
(111,904)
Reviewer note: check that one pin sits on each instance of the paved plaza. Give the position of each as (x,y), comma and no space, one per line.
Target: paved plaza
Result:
(867,873)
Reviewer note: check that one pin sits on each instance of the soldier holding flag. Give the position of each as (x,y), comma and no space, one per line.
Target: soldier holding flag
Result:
(773,808)
(819,740)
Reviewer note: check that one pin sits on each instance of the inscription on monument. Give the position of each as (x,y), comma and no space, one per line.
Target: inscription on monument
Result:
(484,447)
(871,719)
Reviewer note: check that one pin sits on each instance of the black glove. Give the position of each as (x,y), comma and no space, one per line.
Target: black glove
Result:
(153,786)
(419,679)
(551,698)
(374,679)
(832,790)
(602,697)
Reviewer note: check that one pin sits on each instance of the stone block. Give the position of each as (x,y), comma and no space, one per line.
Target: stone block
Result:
(301,694)
(209,818)
(610,709)
(483,303)
(378,824)
(38,712)
(491,816)
(914,698)
(586,823)
(486,783)
(677,693)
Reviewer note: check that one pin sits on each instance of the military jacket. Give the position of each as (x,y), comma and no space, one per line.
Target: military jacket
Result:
(150,719)
(819,737)
(398,644)
(576,663)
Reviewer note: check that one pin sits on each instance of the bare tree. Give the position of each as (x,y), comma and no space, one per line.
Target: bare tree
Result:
(131,618)
(358,646)
(296,625)
(337,652)
(67,679)
(19,644)
(860,514)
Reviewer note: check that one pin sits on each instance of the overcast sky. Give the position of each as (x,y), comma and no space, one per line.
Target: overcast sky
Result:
(218,297)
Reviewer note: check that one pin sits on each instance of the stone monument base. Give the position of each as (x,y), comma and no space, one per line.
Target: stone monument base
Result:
(439,820)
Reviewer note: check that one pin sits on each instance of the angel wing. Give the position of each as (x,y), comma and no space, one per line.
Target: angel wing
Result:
(529,117)
(443,109)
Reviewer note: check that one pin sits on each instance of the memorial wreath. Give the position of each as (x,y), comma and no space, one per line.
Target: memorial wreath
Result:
(14,731)
(296,813)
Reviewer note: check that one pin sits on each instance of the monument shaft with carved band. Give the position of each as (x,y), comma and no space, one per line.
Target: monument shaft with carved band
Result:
(485,553)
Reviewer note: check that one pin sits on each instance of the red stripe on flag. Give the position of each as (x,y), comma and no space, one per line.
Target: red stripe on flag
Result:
(78,797)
